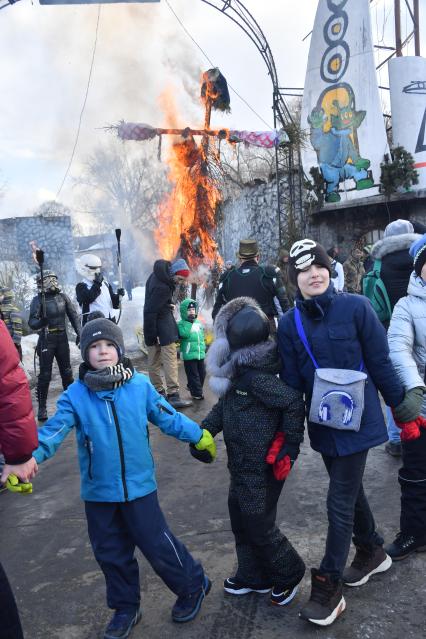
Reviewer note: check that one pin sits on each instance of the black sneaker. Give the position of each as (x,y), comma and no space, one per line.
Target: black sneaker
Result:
(367,562)
(326,602)
(187,608)
(393,449)
(176,401)
(235,587)
(404,545)
(121,624)
(283,596)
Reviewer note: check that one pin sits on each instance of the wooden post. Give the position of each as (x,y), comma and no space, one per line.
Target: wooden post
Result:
(398,41)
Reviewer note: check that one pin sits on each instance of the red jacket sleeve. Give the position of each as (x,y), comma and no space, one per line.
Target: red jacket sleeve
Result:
(18,429)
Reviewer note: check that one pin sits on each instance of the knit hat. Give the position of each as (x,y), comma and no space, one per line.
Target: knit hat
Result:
(418,253)
(180,267)
(101,328)
(305,252)
(398,227)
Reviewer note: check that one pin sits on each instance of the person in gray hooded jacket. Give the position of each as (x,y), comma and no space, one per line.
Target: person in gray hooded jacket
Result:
(407,345)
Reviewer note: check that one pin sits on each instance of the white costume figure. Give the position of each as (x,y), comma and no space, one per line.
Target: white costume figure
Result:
(93,292)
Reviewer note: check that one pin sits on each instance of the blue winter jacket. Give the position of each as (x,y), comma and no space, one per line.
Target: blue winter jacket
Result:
(342,330)
(116,462)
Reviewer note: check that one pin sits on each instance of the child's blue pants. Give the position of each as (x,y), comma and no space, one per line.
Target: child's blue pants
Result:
(116,529)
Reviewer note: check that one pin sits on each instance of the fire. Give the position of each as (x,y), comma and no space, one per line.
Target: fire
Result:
(186,217)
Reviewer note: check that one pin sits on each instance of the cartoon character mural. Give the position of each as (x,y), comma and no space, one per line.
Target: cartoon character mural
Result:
(333,131)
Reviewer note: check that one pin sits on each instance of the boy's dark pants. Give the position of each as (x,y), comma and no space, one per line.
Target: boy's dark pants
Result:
(116,529)
(196,374)
(265,556)
(348,512)
(412,479)
(10,626)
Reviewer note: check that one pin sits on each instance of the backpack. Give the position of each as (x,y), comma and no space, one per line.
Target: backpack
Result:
(374,288)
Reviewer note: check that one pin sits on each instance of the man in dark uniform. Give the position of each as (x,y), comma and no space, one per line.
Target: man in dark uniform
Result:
(262,283)
(53,339)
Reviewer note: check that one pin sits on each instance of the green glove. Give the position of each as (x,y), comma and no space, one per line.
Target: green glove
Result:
(410,407)
(362,163)
(207,443)
(15,486)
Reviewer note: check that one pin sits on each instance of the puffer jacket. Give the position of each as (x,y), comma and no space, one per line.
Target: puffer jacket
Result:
(18,429)
(407,336)
(342,330)
(397,264)
(116,462)
(191,333)
(254,403)
(158,320)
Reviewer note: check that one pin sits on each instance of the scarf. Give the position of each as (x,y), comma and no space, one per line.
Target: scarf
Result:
(108,378)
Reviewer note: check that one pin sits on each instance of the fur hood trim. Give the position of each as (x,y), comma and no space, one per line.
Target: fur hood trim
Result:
(393,244)
(222,363)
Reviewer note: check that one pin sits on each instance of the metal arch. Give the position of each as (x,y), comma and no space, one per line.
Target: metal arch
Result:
(241,16)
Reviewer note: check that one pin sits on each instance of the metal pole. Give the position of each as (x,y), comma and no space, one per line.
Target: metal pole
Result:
(398,41)
(277,172)
(416,10)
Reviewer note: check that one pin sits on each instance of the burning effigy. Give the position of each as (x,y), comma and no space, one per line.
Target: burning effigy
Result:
(187,215)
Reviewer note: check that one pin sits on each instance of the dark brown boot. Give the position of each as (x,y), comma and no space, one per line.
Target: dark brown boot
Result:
(326,602)
(368,561)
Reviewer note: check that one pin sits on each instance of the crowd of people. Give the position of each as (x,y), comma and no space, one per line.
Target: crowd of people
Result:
(325,361)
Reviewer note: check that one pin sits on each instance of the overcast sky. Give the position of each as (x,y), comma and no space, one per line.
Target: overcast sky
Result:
(141,50)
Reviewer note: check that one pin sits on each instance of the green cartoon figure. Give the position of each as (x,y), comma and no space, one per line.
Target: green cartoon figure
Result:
(334,122)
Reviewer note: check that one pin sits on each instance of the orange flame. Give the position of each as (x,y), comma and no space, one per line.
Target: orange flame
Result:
(186,217)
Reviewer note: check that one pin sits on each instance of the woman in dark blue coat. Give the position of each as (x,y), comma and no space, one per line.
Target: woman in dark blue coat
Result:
(342,332)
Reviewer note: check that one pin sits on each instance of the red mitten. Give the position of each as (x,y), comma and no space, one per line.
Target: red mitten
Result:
(282,468)
(421,421)
(275,447)
(409,431)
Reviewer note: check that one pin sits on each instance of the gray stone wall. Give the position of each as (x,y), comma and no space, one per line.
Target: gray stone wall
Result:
(52,234)
(252,215)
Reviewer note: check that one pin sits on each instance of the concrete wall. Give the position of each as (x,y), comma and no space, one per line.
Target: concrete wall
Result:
(52,234)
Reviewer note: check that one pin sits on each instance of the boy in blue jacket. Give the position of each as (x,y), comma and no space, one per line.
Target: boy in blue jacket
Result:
(110,406)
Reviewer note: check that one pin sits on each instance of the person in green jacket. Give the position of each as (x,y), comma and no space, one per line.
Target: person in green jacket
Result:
(192,347)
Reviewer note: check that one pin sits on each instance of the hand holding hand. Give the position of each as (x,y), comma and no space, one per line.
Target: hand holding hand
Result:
(281,456)
(205,450)
(24,472)
(409,409)
(411,430)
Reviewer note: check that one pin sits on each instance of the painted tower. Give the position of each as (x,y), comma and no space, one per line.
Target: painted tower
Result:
(341,110)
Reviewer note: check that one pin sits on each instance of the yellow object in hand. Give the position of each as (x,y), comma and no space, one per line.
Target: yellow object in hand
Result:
(15,486)
(207,443)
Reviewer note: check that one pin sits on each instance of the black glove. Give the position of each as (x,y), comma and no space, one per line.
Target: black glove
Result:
(99,278)
(121,292)
(77,340)
(202,455)
(292,450)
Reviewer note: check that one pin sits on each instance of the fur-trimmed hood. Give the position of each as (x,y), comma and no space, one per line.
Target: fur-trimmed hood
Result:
(222,363)
(393,244)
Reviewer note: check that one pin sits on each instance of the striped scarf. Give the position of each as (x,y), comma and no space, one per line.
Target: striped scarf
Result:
(108,378)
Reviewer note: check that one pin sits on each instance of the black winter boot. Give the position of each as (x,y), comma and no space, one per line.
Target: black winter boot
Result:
(367,562)
(42,391)
(405,545)
(326,602)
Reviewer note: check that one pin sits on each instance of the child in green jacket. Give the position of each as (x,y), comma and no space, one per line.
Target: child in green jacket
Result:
(192,347)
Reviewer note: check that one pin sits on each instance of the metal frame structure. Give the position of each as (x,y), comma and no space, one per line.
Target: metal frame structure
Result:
(288,159)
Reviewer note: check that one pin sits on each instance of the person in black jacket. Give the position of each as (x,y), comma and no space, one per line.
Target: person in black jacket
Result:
(53,339)
(262,283)
(160,328)
(255,408)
